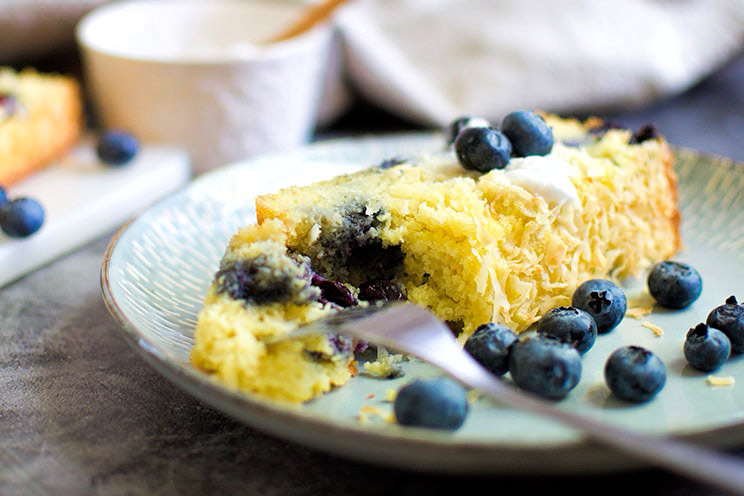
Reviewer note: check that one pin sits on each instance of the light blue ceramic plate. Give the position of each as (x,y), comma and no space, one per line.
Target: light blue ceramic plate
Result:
(158,267)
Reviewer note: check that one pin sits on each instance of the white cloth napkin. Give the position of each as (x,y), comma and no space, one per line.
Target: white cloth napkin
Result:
(433,60)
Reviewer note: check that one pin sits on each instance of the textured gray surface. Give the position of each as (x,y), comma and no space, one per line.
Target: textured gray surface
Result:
(81,413)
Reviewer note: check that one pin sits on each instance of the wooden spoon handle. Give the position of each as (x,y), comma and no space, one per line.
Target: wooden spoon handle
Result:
(312,16)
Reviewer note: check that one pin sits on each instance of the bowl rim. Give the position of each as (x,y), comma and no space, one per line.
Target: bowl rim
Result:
(268,51)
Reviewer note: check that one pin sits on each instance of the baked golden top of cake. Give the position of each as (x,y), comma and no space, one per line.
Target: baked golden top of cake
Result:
(40,119)
(502,246)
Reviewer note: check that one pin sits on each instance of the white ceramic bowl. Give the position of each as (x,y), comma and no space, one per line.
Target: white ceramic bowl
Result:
(194,74)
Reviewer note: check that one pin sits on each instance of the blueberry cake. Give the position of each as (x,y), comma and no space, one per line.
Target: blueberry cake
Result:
(502,245)
(40,119)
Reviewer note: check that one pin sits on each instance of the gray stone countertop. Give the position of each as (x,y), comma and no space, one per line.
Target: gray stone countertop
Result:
(81,413)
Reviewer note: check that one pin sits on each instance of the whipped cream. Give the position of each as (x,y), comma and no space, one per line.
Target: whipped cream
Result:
(546,176)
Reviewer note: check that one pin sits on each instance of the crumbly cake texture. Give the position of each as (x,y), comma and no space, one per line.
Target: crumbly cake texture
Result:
(471,247)
(46,120)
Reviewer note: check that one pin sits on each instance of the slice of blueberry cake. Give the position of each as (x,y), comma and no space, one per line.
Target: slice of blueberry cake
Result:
(41,117)
(501,227)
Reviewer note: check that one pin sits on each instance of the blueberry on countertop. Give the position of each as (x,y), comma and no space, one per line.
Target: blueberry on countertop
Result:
(569,325)
(544,366)
(674,284)
(634,374)
(528,132)
(706,348)
(603,300)
(438,403)
(21,217)
(729,319)
(490,345)
(116,147)
(3,196)
(461,123)
(482,149)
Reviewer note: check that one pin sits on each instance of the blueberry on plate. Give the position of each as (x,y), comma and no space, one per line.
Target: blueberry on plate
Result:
(634,374)
(674,284)
(116,147)
(451,132)
(490,345)
(482,149)
(528,132)
(21,217)
(729,319)
(706,348)
(569,325)
(545,366)
(603,300)
(436,403)
(3,196)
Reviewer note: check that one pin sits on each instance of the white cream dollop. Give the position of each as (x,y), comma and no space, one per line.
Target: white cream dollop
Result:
(546,176)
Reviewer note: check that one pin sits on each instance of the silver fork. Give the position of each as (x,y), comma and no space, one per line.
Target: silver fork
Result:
(410,329)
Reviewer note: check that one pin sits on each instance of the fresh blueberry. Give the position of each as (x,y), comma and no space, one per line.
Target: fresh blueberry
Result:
(21,217)
(482,149)
(461,123)
(544,366)
(706,348)
(3,196)
(603,300)
(729,319)
(634,374)
(528,132)
(438,403)
(117,147)
(490,344)
(674,284)
(569,325)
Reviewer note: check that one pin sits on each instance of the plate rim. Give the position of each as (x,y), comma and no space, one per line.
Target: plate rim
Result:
(415,442)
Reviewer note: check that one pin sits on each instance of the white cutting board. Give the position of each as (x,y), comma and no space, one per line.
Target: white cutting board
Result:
(84,199)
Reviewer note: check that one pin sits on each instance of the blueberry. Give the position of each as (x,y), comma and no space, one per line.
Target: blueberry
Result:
(117,147)
(461,123)
(674,284)
(8,104)
(438,403)
(544,366)
(381,290)
(391,162)
(490,344)
(482,149)
(21,217)
(3,196)
(706,348)
(603,300)
(334,292)
(646,132)
(729,319)
(528,132)
(569,325)
(634,374)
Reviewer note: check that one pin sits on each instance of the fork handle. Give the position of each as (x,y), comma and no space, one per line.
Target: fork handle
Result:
(686,459)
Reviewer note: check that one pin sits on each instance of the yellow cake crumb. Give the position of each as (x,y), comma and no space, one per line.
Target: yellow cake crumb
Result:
(638,312)
(390,395)
(474,395)
(386,365)
(656,329)
(368,413)
(714,380)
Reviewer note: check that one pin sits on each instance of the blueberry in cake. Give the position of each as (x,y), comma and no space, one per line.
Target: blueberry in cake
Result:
(40,119)
(502,243)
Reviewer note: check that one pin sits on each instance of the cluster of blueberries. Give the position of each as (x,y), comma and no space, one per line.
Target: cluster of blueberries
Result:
(548,364)
(481,147)
(21,217)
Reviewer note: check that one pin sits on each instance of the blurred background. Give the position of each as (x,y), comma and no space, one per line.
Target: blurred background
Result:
(396,65)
